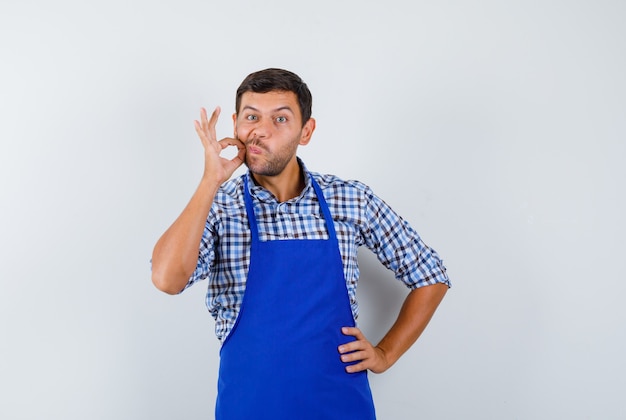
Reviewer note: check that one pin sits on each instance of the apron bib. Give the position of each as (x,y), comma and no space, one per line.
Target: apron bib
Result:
(281,361)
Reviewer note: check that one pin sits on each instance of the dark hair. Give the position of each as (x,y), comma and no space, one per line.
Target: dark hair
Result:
(269,80)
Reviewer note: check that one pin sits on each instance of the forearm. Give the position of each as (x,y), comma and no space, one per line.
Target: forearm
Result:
(175,254)
(415,314)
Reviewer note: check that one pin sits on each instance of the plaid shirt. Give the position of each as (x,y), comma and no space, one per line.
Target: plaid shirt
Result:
(360,218)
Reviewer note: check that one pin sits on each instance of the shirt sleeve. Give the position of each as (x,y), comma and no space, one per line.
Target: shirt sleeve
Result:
(399,247)
(206,252)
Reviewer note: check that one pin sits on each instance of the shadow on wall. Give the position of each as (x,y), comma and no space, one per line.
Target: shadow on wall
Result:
(380,296)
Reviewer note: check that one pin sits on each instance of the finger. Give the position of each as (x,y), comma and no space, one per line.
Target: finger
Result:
(357,367)
(205,136)
(235,162)
(241,153)
(241,150)
(201,133)
(227,141)
(353,331)
(352,346)
(241,156)
(214,117)
(203,118)
(238,160)
(208,125)
(354,356)
(358,344)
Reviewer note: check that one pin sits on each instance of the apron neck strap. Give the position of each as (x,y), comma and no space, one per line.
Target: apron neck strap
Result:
(254,230)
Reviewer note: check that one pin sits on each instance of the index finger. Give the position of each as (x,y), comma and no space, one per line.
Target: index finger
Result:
(351,346)
(353,331)
(209,124)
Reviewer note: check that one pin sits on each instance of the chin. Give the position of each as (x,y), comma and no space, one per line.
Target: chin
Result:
(263,167)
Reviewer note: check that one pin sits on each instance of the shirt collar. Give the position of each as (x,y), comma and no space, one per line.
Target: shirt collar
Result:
(264,195)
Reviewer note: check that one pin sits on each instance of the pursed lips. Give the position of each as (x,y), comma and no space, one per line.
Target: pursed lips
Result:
(254,147)
(255,150)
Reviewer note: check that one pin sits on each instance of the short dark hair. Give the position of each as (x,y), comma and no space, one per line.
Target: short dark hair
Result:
(269,80)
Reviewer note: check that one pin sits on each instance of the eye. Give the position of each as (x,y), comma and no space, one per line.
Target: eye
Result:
(251,118)
(281,119)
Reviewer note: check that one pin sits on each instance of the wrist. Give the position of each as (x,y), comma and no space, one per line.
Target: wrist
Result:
(384,358)
(210,183)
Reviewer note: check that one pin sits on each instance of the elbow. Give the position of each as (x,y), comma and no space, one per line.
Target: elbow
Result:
(172,285)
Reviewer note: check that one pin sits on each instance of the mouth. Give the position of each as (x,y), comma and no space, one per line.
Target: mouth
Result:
(254,150)
(254,147)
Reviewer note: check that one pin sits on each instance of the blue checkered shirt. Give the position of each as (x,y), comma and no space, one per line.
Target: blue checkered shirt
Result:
(360,218)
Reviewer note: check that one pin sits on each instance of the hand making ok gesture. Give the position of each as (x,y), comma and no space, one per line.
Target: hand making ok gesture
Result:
(217,168)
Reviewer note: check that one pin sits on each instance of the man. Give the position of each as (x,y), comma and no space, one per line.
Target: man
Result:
(279,246)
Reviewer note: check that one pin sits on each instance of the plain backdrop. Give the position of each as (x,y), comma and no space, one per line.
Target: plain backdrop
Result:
(496,128)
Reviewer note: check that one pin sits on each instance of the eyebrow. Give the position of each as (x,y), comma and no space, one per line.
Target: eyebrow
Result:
(280,108)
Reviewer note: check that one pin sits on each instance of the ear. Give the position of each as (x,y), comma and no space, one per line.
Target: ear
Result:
(235,125)
(307,132)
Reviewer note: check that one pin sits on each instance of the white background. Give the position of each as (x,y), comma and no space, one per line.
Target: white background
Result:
(496,128)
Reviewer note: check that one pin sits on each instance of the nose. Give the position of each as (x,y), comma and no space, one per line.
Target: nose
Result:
(262,129)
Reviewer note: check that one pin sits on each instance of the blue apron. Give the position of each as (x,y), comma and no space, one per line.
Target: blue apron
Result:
(281,361)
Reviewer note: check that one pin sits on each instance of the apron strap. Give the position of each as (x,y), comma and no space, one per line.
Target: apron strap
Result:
(329,219)
(254,230)
(250,210)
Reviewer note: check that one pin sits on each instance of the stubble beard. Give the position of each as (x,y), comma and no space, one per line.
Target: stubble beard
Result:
(270,164)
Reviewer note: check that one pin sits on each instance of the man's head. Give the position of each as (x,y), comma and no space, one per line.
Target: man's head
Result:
(277,80)
(273,118)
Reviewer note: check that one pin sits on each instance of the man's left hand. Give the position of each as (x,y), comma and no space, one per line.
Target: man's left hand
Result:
(369,356)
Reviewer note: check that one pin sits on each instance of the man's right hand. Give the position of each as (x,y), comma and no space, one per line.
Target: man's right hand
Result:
(175,254)
(217,168)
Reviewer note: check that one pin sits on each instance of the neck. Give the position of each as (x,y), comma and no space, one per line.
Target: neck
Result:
(286,185)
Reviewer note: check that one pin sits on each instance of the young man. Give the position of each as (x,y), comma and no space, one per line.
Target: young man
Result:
(279,246)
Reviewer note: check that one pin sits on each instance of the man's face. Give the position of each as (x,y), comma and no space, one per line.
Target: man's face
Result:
(270,125)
